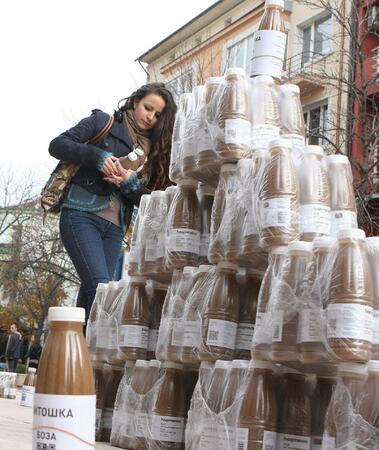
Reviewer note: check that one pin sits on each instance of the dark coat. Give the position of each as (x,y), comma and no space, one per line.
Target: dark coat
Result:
(14,346)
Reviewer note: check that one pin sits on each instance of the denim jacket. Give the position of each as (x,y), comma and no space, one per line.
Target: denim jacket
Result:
(88,191)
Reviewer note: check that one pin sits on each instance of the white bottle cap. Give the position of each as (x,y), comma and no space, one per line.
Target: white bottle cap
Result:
(142,363)
(139,151)
(279,3)
(205,189)
(240,364)
(221,364)
(227,265)
(373,241)
(154,363)
(323,242)
(373,366)
(290,88)
(300,246)
(286,143)
(188,182)
(172,365)
(351,233)
(360,369)
(229,167)
(264,79)
(313,150)
(214,80)
(235,71)
(132,157)
(32,370)
(66,314)
(204,268)
(138,279)
(338,159)
(282,250)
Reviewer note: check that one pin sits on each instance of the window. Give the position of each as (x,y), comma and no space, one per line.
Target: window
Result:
(317,39)
(315,120)
(239,54)
(180,84)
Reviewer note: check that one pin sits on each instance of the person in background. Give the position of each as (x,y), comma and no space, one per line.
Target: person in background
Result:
(98,206)
(34,352)
(14,348)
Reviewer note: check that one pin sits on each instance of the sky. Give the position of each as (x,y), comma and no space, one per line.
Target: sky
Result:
(61,59)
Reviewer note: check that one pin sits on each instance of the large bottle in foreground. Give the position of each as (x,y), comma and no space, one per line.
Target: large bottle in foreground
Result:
(65,386)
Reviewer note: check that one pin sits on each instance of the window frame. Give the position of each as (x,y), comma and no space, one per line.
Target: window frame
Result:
(323,105)
(312,27)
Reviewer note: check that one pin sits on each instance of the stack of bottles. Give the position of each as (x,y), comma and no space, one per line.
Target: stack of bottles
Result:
(8,385)
(28,388)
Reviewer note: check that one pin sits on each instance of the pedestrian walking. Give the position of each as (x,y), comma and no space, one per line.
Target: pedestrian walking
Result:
(98,206)
(14,348)
(33,353)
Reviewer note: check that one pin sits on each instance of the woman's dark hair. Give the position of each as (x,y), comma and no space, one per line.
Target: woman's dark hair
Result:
(156,168)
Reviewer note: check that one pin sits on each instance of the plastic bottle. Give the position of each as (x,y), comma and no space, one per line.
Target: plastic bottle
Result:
(217,384)
(258,414)
(295,413)
(280,197)
(373,255)
(12,390)
(156,300)
(133,160)
(285,306)
(232,117)
(238,369)
(350,304)
(101,376)
(134,324)
(91,332)
(270,42)
(29,387)
(320,402)
(65,385)
(369,400)
(314,195)
(205,194)
(342,198)
(184,226)
(220,318)
(262,332)
(311,337)
(113,381)
(169,409)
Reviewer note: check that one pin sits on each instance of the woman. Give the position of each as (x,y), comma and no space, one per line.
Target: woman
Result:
(33,353)
(98,206)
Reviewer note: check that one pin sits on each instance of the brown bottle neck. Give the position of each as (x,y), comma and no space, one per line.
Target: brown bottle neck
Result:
(65,326)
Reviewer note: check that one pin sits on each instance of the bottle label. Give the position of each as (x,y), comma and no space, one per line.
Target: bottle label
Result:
(112,338)
(167,428)
(261,135)
(59,421)
(340,220)
(106,421)
(269,440)
(134,336)
(293,442)
(219,436)
(222,333)
(151,249)
(375,339)
(314,219)
(262,333)
(268,53)
(142,424)
(245,334)
(153,339)
(328,442)
(237,132)
(350,321)
(192,334)
(277,325)
(316,442)
(27,396)
(177,333)
(99,413)
(277,212)
(310,326)
(183,240)
(204,244)
(204,140)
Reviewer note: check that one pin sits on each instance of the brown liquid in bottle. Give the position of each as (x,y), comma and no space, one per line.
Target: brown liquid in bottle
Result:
(65,381)
(342,198)
(262,332)
(156,300)
(236,377)
(314,195)
(29,387)
(258,413)
(248,298)
(284,309)
(280,197)
(169,409)
(232,117)
(133,160)
(206,197)
(189,351)
(113,381)
(114,354)
(270,42)
(101,376)
(208,163)
(369,402)
(311,339)
(184,226)
(295,413)
(134,324)
(217,385)
(373,254)
(220,319)
(136,236)
(350,304)
(320,402)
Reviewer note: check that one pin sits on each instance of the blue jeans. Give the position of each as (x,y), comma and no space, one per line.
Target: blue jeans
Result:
(94,245)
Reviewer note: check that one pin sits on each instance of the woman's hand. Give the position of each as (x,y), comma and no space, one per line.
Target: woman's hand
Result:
(121,175)
(110,166)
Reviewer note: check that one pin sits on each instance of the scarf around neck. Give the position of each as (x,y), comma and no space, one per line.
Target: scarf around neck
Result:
(140,138)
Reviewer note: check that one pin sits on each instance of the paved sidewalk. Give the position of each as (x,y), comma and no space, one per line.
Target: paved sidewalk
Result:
(16,426)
